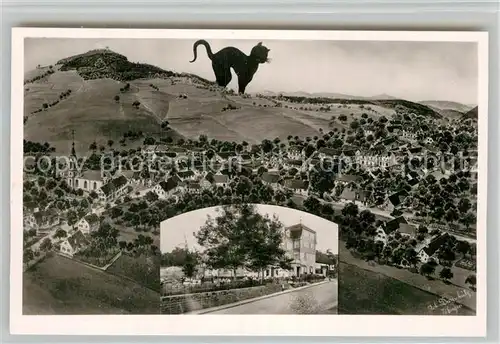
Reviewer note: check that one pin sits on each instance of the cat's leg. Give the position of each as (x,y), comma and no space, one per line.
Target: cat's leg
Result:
(222,74)
(242,84)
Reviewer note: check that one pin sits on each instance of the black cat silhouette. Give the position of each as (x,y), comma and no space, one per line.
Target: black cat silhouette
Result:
(230,57)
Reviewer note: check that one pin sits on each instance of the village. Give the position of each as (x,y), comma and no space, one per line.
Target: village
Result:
(414,173)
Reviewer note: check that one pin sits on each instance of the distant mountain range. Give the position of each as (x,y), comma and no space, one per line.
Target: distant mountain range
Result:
(327,95)
(447,105)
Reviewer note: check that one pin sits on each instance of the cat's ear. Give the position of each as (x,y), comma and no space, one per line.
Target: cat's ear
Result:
(260,43)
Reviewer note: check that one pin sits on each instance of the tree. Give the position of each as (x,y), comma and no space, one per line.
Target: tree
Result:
(151,196)
(189,266)
(60,233)
(28,255)
(463,247)
(427,269)
(46,244)
(241,237)
(117,98)
(110,143)
(72,217)
(471,280)
(446,274)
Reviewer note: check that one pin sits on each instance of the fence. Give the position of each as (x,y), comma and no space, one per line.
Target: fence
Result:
(178,304)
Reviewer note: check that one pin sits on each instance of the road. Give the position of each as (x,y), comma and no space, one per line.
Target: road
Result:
(318,299)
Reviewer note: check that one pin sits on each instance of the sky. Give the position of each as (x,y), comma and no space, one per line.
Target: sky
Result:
(176,231)
(414,71)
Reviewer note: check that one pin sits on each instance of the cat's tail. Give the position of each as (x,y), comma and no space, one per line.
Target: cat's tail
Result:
(207,46)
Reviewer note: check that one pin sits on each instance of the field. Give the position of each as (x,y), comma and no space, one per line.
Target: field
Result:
(367,292)
(142,269)
(415,280)
(59,285)
(95,115)
(92,111)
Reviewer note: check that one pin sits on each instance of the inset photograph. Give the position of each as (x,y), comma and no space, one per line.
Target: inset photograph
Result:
(248,259)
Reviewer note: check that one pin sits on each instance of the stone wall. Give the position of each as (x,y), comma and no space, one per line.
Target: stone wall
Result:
(178,304)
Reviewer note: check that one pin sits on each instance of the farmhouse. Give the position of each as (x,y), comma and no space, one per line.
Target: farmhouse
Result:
(429,252)
(74,244)
(353,195)
(166,188)
(186,175)
(298,186)
(270,178)
(381,236)
(44,219)
(294,153)
(115,188)
(221,180)
(395,200)
(347,178)
(88,224)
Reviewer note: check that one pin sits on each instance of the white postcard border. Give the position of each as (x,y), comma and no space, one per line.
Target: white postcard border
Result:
(269,325)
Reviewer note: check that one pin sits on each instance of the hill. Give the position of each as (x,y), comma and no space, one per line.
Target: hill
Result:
(472,114)
(326,95)
(103,96)
(446,105)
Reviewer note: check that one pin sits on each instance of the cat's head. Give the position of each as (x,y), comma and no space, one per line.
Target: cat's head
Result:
(260,52)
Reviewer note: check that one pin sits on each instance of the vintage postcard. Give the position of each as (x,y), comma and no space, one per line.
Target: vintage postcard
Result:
(159,175)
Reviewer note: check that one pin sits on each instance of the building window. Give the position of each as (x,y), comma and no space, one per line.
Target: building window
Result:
(95,185)
(85,184)
(76,183)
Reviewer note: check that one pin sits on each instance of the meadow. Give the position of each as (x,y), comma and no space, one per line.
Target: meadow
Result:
(59,285)
(366,292)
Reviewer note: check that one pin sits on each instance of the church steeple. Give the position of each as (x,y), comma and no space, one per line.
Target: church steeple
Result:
(73,152)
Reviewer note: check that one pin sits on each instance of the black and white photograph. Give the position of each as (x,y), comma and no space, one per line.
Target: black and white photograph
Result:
(249,259)
(180,172)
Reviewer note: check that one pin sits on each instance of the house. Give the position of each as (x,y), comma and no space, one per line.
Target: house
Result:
(381,236)
(289,164)
(428,140)
(148,150)
(347,178)
(88,224)
(396,199)
(270,178)
(45,219)
(406,228)
(114,189)
(298,186)
(74,244)
(325,152)
(395,224)
(430,251)
(224,156)
(193,186)
(412,178)
(295,153)
(186,175)
(353,195)
(132,176)
(408,135)
(221,180)
(166,188)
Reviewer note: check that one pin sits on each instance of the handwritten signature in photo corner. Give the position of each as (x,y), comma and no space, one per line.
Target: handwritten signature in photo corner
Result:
(448,305)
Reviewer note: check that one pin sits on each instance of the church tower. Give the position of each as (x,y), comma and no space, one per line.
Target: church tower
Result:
(73,159)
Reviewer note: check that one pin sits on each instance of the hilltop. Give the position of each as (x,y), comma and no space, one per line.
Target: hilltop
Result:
(447,105)
(472,114)
(104,97)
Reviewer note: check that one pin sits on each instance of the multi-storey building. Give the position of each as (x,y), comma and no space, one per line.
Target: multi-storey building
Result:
(300,244)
